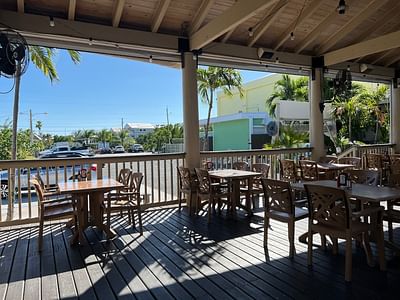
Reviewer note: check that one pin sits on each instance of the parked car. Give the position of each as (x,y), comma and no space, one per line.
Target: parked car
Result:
(64,154)
(136,148)
(119,149)
(105,150)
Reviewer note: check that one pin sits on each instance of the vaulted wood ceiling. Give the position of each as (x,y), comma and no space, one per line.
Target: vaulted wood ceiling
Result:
(317,27)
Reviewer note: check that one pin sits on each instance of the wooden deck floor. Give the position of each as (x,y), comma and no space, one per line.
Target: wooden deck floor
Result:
(183,258)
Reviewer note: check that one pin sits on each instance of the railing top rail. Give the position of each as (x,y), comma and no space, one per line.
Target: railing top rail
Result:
(255,152)
(4,164)
(377,145)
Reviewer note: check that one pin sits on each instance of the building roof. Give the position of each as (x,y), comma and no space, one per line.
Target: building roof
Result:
(139,126)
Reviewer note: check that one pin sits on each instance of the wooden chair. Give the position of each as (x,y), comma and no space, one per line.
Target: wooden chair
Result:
(287,170)
(330,214)
(328,159)
(256,187)
(208,165)
(391,214)
(124,177)
(369,177)
(186,186)
(355,161)
(51,208)
(375,162)
(240,165)
(279,205)
(129,201)
(309,170)
(210,192)
(394,165)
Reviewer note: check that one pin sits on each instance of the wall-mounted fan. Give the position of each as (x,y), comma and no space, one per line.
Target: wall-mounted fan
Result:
(342,83)
(14,54)
(272,128)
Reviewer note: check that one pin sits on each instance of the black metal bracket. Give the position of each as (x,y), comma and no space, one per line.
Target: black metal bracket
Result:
(316,62)
(396,78)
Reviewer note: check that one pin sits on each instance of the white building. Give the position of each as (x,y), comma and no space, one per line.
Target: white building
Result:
(137,129)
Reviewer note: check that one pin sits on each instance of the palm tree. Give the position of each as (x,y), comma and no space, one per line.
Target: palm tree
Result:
(87,135)
(287,88)
(289,137)
(104,136)
(42,58)
(39,125)
(211,79)
(123,135)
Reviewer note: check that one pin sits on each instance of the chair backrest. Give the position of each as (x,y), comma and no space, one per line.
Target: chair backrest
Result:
(309,170)
(208,165)
(203,180)
(38,187)
(135,182)
(279,195)
(288,170)
(355,161)
(261,168)
(369,177)
(124,176)
(40,181)
(394,165)
(374,161)
(185,178)
(328,159)
(328,206)
(240,165)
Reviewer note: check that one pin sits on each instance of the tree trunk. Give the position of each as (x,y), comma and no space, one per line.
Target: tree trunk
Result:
(11,184)
(210,106)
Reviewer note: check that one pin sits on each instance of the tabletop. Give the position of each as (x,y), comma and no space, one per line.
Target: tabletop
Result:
(333,166)
(233,174)
(364,192)
(89,186)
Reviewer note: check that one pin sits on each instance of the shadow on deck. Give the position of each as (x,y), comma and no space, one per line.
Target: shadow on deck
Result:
(179,257)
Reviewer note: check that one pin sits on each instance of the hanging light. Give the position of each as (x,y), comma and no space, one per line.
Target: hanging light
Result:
(151,59)
(277,60)
(251,31)
(341,7)
(292,36)
(90,41)
(51,22)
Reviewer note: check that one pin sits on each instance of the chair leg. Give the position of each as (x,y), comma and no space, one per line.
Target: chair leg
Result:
(132,213)
(323,242)
(367,249)
(180,201)
(139,213)
(108,214)
(129,217)
(349,257)
(335,246)
(266,227)
(210,203)
(309,247)
(381,247)
(40,238)
(291,238)
(390,230)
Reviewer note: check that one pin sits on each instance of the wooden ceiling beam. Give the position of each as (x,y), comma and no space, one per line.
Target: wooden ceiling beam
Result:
(312,35)
(238,13)
(311,8)
(266,23)
(117,12)
(200,15)
(353,23)
(376,45)
(71,9)
(159,14)
(383,56)
(21,6)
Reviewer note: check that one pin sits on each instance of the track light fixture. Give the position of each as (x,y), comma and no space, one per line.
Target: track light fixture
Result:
(51,22)
(341,7)
(151,59)
(90,41)
(292,36)
(250,30)
(277,60)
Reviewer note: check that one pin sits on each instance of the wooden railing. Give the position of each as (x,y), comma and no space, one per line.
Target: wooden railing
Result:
(225,159)
(18,200)
(361,150)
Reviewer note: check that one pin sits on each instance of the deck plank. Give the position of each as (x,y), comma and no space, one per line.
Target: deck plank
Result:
(183,257)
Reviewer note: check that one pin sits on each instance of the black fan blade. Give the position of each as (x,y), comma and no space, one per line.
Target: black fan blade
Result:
(19,53)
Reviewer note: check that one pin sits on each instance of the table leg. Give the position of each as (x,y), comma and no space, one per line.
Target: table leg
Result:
(82,220)
(97,214)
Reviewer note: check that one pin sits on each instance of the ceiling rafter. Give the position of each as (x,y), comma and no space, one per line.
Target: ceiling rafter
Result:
(382,56)
(238,13)
(311,8)
(21,6)
(266,23)
(347,28)
(200,15)
(312,35)
(228,35)
(159,14)
(71,9)
(376,45)
(379,24)
(117,12)
(396,58)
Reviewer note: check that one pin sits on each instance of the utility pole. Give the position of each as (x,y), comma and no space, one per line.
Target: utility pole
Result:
(167,116)
(31,126)
(122,124)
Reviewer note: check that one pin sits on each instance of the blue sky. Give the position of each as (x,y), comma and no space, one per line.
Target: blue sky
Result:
(98,92)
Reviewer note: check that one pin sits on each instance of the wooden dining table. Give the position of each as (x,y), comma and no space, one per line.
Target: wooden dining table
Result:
(234,178)
(92,214)
(333,166)
(374,195)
